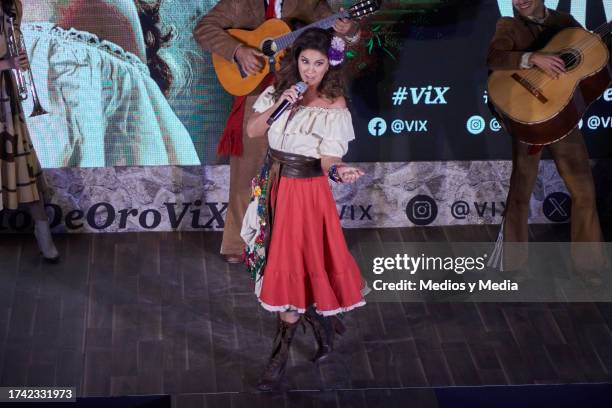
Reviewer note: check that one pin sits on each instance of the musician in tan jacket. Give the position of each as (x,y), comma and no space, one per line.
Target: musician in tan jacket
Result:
(211,35)
(514,47)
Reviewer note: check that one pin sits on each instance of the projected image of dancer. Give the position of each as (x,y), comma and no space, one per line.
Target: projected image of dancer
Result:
(309,272)
(22,180)
(105,84)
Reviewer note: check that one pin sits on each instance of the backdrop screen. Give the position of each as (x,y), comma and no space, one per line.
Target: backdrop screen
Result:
(126,84)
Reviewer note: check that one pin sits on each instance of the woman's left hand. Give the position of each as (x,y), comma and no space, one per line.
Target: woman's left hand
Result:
(349,174)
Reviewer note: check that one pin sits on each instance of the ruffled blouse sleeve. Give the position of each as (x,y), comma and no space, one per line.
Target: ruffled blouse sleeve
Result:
(265,100)
(104,107)
(336,131)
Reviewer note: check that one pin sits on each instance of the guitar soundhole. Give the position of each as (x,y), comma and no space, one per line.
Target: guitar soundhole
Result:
(267,47)
(571,58)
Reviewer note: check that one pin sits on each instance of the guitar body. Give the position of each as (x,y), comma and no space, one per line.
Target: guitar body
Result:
(228,72)
(540,110)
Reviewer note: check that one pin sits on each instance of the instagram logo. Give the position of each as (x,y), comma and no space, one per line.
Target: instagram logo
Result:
(421,210)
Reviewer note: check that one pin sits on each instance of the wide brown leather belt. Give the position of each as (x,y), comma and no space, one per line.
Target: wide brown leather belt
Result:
(293,165)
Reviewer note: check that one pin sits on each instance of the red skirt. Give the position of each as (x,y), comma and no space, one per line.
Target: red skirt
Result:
(308,261)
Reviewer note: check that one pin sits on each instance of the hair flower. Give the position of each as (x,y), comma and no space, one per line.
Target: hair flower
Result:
(336,51)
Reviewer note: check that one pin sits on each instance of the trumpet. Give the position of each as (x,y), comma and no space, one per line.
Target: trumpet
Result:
(14,49)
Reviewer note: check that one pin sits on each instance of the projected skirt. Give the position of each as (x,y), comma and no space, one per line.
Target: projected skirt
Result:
(19,167)
(308,260)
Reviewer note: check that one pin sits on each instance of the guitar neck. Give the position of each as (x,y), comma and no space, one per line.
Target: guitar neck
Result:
(604,29)
(286,40)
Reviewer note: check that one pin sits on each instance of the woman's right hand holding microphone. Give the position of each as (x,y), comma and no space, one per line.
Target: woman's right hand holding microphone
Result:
(292,95)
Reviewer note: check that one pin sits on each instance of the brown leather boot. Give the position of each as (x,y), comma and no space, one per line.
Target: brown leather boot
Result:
(275,368)
(324,329)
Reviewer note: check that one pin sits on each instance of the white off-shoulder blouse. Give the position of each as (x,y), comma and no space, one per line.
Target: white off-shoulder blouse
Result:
(309,131)
(104,107)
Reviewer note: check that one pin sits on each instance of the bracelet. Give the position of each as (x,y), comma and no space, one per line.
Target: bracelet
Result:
(333,173)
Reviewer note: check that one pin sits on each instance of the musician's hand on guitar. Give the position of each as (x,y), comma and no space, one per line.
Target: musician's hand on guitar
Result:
(249,59)
(551,64)
(345,26)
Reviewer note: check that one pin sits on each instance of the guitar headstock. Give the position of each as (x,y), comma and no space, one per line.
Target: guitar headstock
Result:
(363,8)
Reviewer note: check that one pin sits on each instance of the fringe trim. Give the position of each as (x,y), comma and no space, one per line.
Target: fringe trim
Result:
(87,39)
(496,260)
(292,308)
(229,146)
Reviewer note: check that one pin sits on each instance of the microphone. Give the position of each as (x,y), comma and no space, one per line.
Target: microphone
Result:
(301,88)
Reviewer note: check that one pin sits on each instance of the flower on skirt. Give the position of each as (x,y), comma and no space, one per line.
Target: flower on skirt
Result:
(255,253)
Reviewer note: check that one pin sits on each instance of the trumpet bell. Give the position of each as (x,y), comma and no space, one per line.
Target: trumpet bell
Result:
(38,110)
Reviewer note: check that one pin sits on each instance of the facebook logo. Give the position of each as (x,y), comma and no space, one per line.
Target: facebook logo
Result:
(377,127)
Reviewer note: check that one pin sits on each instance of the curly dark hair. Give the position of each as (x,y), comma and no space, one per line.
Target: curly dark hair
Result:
(332,86)
(156,36)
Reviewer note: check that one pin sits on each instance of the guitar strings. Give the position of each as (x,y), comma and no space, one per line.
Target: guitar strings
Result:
(593,40)
(535,77)
(285,40)
(590,40)
(359,10)
(548,79)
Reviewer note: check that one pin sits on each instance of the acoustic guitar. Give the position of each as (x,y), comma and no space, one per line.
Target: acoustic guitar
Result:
(540,110)
(272,38)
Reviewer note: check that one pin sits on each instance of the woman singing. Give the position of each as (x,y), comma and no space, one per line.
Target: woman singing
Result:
(20,171)
(309,269)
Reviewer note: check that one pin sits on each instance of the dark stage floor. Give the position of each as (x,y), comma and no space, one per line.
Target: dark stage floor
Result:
(161,313)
